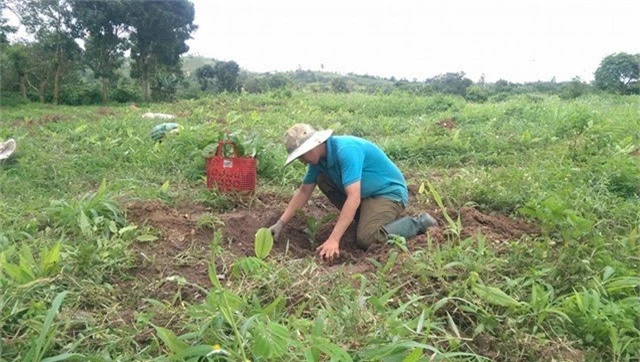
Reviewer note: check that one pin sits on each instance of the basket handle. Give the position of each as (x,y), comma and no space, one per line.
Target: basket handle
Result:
(221,146)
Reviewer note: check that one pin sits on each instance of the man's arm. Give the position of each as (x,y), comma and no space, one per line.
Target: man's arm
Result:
(299,199)
(331,247)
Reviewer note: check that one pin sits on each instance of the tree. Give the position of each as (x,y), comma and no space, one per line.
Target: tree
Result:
(339,85)
(105,25)
(18,59)
(618,73)
(226,74)
(205,75)
(159,32)
(450,83)
(52,23)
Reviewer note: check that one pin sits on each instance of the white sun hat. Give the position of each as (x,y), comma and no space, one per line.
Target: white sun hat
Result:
(7,148)
(302,138)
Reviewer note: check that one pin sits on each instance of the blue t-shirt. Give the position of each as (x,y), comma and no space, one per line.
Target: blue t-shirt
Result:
(351,159)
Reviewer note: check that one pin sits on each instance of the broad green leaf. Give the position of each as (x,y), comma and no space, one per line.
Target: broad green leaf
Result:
(264,242)
(200,350)
(50,258)
(26,257)
(421,320)
(17,273)
(616,284)
(169,338)
(274,307)
(494,295)
(413,356)
(64,357)
(127,229)
(85,225)
(335,352)
(165,187)
(147,237)
(40,346)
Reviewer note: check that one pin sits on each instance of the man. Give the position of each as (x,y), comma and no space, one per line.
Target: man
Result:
(359,179)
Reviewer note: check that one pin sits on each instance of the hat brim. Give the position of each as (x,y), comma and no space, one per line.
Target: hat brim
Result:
(308,145)
(7,148)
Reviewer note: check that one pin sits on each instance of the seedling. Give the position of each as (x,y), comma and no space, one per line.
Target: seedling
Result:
(398,241)
(263,242)
(312,229)
(454,226)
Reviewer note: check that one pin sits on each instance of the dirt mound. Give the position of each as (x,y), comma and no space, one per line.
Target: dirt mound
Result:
(447,123)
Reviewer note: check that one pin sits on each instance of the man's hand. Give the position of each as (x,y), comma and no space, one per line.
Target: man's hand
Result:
(276,229)
(329,249)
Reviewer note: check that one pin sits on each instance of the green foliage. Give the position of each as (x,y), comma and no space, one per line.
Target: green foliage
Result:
(568,292)
(161,29)
(476,94)
(555,215)
(226,74)
(450,83)
(618,73)
(339,85)
(205,75)
(263,243)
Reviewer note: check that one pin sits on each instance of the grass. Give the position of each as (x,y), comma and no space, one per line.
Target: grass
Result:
(571,293)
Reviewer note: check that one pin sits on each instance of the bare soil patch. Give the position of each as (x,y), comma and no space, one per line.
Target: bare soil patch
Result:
(31,123)
(183,248)
(447,123)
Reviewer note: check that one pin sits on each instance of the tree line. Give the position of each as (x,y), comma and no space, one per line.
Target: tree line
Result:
(152,33)
(126,50)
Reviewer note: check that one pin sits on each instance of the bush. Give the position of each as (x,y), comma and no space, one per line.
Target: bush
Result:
(476,94)
(80,94)
(339,85)
(125,93)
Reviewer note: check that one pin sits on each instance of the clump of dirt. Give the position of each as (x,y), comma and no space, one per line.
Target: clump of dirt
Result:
(447,123)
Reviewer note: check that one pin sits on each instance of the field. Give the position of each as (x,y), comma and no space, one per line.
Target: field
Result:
(113,249)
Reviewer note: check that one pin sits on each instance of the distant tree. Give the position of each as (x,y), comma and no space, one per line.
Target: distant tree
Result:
(159,32)
(618,73)
(54,28)
(450,83)
(37,66)
(476,93)
(165,84)
(339,85)
(574,89)
(18,59)
(277,81)
(105,25)
(503,86)
(205,76)
(226,74)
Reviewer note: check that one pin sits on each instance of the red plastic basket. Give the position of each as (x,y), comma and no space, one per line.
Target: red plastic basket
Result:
(231,173)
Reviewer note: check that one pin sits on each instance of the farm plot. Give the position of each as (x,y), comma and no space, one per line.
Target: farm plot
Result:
(112,248)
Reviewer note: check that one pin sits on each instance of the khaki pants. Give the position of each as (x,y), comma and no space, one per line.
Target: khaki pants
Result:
(372,215)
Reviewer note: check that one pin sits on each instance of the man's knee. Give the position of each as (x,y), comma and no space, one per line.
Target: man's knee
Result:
(366,239)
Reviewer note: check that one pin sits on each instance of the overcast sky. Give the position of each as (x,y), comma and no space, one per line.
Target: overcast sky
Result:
(517,40)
